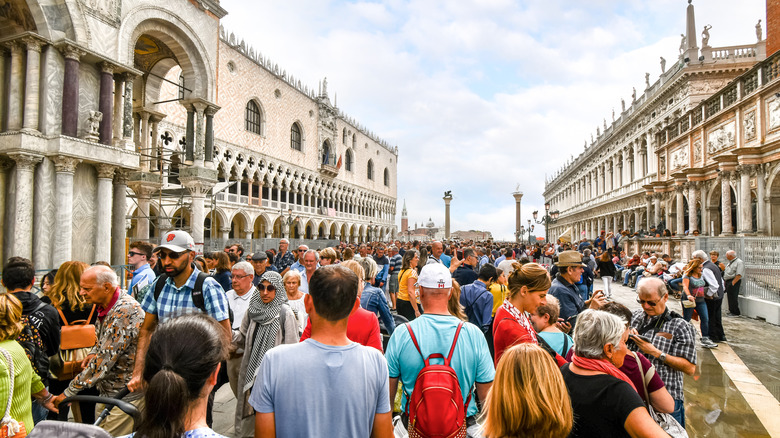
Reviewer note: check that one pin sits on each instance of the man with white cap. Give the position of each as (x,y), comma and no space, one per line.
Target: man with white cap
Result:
(435,331)
(185,289)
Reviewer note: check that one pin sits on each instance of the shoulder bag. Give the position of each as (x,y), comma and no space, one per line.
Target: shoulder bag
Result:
(76,339)
(666,421)
(9,427)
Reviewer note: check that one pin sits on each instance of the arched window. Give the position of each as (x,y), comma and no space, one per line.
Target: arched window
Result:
(387,177)
(254,118)
(354,140)
(350,160)
(295,137)
(370,170)
(326,152)
(344,136)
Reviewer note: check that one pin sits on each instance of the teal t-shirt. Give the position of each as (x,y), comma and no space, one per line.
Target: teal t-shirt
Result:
(557,341)
(471,359)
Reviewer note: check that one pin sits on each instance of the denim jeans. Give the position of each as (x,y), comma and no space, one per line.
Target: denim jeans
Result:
(701,309)
(583,288)
(676,284)
(39,413)
(679,412)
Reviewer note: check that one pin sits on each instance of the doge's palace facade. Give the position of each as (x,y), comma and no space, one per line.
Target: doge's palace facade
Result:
(125,118)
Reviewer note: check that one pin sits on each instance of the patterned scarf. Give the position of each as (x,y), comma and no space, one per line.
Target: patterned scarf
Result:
(266,318)
(521,319)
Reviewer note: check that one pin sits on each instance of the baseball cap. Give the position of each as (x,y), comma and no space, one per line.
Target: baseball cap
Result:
(177,241)
(259,256)
(435,276)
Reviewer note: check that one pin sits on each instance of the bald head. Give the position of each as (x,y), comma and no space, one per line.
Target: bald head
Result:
(101,275)
(437,249)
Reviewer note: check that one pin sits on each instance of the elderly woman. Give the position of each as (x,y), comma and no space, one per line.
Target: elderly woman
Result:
(544,320)
(292,285)
(268,322)
(25,381)
(604,400)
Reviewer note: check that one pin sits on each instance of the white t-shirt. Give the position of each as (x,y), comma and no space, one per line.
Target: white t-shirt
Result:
(239,305)
(300,311)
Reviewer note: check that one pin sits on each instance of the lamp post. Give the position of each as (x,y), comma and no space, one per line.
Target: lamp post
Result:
(550,217)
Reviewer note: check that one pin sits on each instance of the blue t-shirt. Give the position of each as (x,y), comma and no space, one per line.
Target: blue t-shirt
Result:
(315,389)
(471,359)
(445,259)
(201,432)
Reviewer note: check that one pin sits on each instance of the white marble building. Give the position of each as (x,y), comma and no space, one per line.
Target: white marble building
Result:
(119,117)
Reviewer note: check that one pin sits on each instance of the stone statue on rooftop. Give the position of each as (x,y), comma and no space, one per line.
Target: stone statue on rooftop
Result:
(623,104)
(613,114)
(663,65)
(647,80)
(705,36)
(759,31)
(633,95)
(683,42)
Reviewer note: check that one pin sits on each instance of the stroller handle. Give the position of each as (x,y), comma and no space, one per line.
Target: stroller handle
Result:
(124,406)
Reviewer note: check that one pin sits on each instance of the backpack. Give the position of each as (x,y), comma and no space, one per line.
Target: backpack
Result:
(197,292)
(30,339)
(436,407)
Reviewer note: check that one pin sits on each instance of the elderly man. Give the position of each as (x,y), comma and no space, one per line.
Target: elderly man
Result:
(298,265)
(311,259)
(564,287)
(735,270)
(672,346)
(260,263)
(284,258)
(109,365)
(239,298)
(711,273)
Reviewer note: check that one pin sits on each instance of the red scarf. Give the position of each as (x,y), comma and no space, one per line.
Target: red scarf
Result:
(603,366)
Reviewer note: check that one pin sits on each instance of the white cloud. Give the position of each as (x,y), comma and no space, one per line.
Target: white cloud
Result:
(480,95)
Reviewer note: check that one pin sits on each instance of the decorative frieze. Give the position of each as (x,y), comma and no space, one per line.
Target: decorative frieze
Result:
(721,138)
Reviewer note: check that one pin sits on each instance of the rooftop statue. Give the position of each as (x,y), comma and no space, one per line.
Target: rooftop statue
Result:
(705,36)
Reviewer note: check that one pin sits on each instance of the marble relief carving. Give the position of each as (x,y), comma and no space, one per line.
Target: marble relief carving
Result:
(697,151)
(84,193)
(721,138)
(104,9)
(89,89)
(749,125)
(662,165)
(774,114)
(680,158)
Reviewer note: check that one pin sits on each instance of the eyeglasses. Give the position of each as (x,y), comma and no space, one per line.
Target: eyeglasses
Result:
(649,303)
(243,276)
(133,253)
(262,288)
(162,255)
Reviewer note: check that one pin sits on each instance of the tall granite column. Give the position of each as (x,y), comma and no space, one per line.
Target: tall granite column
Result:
(680,213)
(189,151)
(118,218)
(518,195)
(103,212)
(5,164)
(447,199)
(119,107)
(25,173)
(657,210)
(32,85)
(70,92)
(725,199)
(65,167)
(745,205)
(106,102)
(693,217)
(15,96)
(209,152)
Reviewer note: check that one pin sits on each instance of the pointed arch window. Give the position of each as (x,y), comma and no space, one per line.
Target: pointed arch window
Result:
(387,177)
(254,118)
(370,170)
(350,161)
(295,137)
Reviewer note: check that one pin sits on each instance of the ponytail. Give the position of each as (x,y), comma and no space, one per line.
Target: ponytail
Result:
(167,400)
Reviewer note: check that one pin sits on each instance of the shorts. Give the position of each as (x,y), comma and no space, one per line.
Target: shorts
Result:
(393,284)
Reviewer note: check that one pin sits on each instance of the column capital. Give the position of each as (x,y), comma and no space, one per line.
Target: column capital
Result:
(33,44)
(211,110)
(65,164)
(224,229)
(128,76)
(120,176)
(680,187)
(105,171)
(5,164)
(748,169)
(106,67)
(724,174)
(69,51)
(14,47)
(25,161)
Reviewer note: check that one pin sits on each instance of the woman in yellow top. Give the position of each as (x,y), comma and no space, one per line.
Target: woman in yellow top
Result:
(407,294)
(498,289)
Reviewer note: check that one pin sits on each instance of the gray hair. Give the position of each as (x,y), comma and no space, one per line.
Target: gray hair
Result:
(369,266)
(104,274)
(594,330)
(652,284)
(292,273)
(244,266)
(586,252)
(284,241)
(699,254)
(311,251)
(731,252)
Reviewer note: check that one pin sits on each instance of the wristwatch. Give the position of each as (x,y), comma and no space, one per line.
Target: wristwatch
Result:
(662,357)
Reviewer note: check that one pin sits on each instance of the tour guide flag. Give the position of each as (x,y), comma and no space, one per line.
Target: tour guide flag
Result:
(338,165)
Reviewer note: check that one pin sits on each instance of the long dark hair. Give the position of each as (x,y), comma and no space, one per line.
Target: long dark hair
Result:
(182,354)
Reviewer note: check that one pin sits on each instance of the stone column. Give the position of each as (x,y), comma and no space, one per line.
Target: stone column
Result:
(760,194)
(5,164)
(200,132)
(25,173)
(648,211)
(127,111)
(693,218)
(704,226)
(119,108)
(518,195)
(32,85)
(224,233)
(103,210)
(15,96)
(199,181)
(118,218)
(189,152)
(143,199)
(209,152)
(106,102)
(447,199)
(3,92)
(70,91)
(637,221)
(65,167)
(725,197)
(744,206)
(657,209)
(680,213)
(144,145)
(154,146)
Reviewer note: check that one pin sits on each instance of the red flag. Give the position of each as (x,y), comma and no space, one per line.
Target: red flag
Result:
(338,165)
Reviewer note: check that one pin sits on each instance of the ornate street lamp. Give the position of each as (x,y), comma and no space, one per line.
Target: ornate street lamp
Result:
(550,217)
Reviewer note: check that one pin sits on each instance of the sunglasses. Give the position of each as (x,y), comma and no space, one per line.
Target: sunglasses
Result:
(262,288)
(162,255)
(649,303)
(133,253)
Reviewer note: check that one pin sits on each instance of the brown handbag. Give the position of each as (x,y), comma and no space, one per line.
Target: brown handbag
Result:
(76,339)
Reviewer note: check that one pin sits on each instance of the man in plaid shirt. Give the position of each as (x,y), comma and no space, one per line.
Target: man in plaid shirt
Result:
(672,346)
(284,259)
(176,253)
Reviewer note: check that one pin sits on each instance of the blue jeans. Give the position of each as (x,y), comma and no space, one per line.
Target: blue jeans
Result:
(39,413)
(701,309)
(679,412)
(583,288)
(676,284)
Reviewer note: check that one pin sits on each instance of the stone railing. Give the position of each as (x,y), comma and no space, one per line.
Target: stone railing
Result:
(679,248)
(734,53)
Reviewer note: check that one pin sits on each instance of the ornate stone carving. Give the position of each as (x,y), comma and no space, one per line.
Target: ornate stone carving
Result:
(721,138)
(774,114)
(697,151)
(93,125)
(66,164)
(105,171)
(71,52)
(662,165)
(749,124)
(26,161)
(108,10)
(705,36)
(680,158)
(33,44)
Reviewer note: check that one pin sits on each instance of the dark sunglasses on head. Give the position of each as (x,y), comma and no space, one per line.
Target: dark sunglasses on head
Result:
(170,254)
(262,288)
(649,303)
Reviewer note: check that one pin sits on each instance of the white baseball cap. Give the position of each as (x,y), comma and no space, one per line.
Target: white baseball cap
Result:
(177,241)
(435,276)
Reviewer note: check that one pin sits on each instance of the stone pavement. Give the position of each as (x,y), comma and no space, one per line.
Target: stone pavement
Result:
(734,393)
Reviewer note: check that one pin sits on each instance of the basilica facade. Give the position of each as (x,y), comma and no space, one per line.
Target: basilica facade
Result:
(121,119)
(696,151)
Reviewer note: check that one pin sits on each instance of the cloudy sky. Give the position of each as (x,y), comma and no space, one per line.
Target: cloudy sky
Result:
(480,95)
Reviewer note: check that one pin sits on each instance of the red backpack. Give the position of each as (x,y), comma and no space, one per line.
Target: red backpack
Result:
(436,407)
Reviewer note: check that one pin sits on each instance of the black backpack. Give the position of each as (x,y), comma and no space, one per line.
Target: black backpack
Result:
(30,339)
(197,292)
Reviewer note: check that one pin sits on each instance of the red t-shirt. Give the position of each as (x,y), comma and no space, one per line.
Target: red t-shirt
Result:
(631,370)
(508,332)
(362,327)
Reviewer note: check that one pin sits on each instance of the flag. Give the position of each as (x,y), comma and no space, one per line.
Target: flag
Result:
(338,165)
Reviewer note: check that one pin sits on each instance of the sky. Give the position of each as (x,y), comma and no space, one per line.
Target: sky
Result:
(481,96)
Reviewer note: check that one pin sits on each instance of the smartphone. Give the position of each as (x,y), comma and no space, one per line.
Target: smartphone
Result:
(644,338)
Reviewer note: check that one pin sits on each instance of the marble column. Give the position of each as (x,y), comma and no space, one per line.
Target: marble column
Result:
(745,207)
(32,85)
(200,134)
(648,212)
(127,111)
(64,167)
(119,108)
(189,151)
(518,195)
(25,173)
(103,210)
(637,221)
(704,226)
(725,197)
(5,164)
(106,102)
(680,213)
(657,210)
(693,218)
(760,195)
(144,145)
(209,146)
(154,146)
(118,218)
(3,92)
(447,199)
(198,193)
(224,233)
(15,93)
(70,91)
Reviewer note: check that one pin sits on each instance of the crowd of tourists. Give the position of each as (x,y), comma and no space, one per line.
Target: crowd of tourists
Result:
(379,339)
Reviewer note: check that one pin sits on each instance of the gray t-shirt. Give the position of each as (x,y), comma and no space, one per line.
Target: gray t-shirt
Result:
(315,389)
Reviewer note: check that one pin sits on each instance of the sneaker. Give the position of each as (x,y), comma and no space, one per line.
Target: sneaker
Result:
(707,343)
